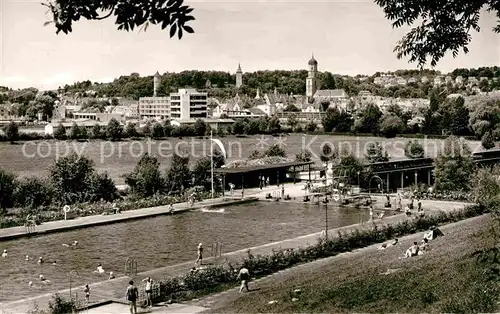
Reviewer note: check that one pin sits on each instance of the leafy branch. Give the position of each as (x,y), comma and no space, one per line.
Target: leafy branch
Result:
(444,26)
(129,14)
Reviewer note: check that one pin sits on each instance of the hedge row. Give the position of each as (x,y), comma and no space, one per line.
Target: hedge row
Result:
(209,279)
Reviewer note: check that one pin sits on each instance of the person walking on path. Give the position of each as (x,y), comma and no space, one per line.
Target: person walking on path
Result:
(283,191)
(244,276)
(149,291)
(200,254)
(132,294)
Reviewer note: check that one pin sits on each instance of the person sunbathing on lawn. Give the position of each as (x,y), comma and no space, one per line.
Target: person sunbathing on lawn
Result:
(433,233)
(389,244)
(412,251)
(424,247)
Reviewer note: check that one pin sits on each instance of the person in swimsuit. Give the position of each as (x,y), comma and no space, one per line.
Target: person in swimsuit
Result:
(200,254)
(149,290)
(132,294)
(86,290)
(244,276)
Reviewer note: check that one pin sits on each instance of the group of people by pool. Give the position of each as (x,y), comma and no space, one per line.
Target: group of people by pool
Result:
(416,249)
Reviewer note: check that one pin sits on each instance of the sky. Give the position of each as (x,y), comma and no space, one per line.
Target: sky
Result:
(346,37)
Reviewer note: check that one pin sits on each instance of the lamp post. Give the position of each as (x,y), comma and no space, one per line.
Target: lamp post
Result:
(326,217)
(358,178)
(416,180)
(71,274)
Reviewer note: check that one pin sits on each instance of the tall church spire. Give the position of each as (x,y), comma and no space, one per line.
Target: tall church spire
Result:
(239,77)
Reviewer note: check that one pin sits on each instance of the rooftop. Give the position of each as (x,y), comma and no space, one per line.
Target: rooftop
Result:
(262,167)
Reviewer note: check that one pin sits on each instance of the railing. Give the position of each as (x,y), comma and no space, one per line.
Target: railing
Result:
(131,267)
(217,250)
(30,224)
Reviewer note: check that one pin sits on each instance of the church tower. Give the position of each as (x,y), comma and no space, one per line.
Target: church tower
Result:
(239,77)
(311,80)
(156,83)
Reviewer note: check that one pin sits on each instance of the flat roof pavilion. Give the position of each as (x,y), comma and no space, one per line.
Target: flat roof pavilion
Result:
(241,170)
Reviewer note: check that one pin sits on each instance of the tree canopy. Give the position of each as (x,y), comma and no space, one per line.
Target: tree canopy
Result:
(445,26)
(170,14)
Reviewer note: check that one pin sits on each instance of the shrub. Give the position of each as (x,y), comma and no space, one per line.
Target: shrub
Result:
(33,192)
(60,132)
(414,149)
(275,150)
(11,131)
(7,188)
(75,180)
(157,130)
(130,130)
(146,179)
(114,130)
(96,132)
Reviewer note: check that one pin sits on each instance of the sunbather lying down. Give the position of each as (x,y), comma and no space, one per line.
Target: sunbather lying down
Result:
(388,244)
(433,233)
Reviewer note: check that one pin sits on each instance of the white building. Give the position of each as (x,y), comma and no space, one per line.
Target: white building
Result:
(188,104)
(154,108)
(87,124)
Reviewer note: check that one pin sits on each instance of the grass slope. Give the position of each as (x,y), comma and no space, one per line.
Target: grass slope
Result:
(447,279)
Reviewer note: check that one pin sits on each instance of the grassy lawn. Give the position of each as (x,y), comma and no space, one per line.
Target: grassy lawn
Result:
(447,279)
(118,158)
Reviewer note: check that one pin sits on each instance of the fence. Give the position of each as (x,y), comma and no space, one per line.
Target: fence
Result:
(131,267)
(217,249)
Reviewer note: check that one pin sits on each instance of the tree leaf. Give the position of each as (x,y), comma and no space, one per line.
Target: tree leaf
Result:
(188,29)
(180,33)
(173,29)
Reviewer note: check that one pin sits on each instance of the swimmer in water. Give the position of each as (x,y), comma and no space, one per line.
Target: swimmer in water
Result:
(43,280)
(99,270)
(75,243)
(4,254)
(30,284)
(27,258)
(65,245)
(111,276)
(40,260)
(54,263)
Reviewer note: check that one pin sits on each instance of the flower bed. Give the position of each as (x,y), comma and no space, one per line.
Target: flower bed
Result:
(53,213)
(214,277)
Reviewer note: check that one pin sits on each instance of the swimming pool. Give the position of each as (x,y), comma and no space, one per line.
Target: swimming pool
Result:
(157,242)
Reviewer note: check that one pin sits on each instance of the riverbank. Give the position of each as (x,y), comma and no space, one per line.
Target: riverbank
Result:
(109,290)
(446,279)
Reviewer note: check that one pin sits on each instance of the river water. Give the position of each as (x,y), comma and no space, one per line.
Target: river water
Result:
(156,242)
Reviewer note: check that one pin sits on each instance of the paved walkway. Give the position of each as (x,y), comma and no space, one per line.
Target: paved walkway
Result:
(118,308)
(115,289)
